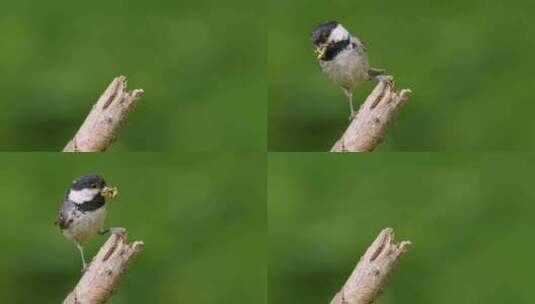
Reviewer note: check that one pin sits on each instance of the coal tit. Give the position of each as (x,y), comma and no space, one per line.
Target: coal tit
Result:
(343,58)
(83,211)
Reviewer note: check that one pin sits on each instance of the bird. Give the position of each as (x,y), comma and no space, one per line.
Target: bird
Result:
(83,210)
(343,57)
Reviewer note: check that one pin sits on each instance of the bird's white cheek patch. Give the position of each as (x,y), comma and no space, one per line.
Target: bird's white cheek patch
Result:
(81,196)
(338,34)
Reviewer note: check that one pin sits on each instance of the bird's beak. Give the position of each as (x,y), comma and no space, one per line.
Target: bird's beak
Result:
(320,51)
(109,192)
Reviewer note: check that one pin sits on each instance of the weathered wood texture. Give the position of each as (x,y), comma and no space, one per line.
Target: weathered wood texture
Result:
(105,271)
(367,130)
(372,271)
(102,124)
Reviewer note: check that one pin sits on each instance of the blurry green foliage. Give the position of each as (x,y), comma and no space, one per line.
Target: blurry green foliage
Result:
(203,228)
(201,64)
(469,64)
(470,218)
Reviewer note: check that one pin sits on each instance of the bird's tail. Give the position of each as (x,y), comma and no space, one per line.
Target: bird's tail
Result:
(373,72)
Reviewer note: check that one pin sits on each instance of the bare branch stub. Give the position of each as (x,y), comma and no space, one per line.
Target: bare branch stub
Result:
(102,124)
(367,130)
(105,271)
(372,271)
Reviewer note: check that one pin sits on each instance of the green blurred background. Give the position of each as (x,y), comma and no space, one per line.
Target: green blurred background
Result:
(204,229)
(470,218)
(201,64)
(469,64)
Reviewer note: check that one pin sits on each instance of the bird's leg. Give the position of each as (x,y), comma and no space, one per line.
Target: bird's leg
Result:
(349,94)
(120,231)
(82,255)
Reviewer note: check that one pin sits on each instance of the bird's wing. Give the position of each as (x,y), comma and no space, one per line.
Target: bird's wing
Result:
(63,220)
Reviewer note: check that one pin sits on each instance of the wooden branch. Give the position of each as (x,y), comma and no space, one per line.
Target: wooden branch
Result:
(105,271)
(371,273)
(367,130)
(102,124)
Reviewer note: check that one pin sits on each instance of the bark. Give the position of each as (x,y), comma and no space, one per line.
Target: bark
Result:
(101,126)
(367,130)
(105,271)
(371,273)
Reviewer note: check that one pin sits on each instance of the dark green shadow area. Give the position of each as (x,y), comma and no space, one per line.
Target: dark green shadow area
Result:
(470,218)
(204,229)
(201,64)
(469,64)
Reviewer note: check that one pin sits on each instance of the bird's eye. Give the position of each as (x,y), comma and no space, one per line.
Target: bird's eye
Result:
(93,186)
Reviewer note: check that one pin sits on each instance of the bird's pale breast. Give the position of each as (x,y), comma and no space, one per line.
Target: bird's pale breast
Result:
(84,225)
(349,69)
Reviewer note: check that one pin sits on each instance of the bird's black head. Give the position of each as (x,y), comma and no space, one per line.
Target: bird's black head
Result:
(321,33)
(89,192)
(89,181)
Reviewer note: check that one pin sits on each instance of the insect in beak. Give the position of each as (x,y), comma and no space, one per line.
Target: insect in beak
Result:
(109,192)
(320,51)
